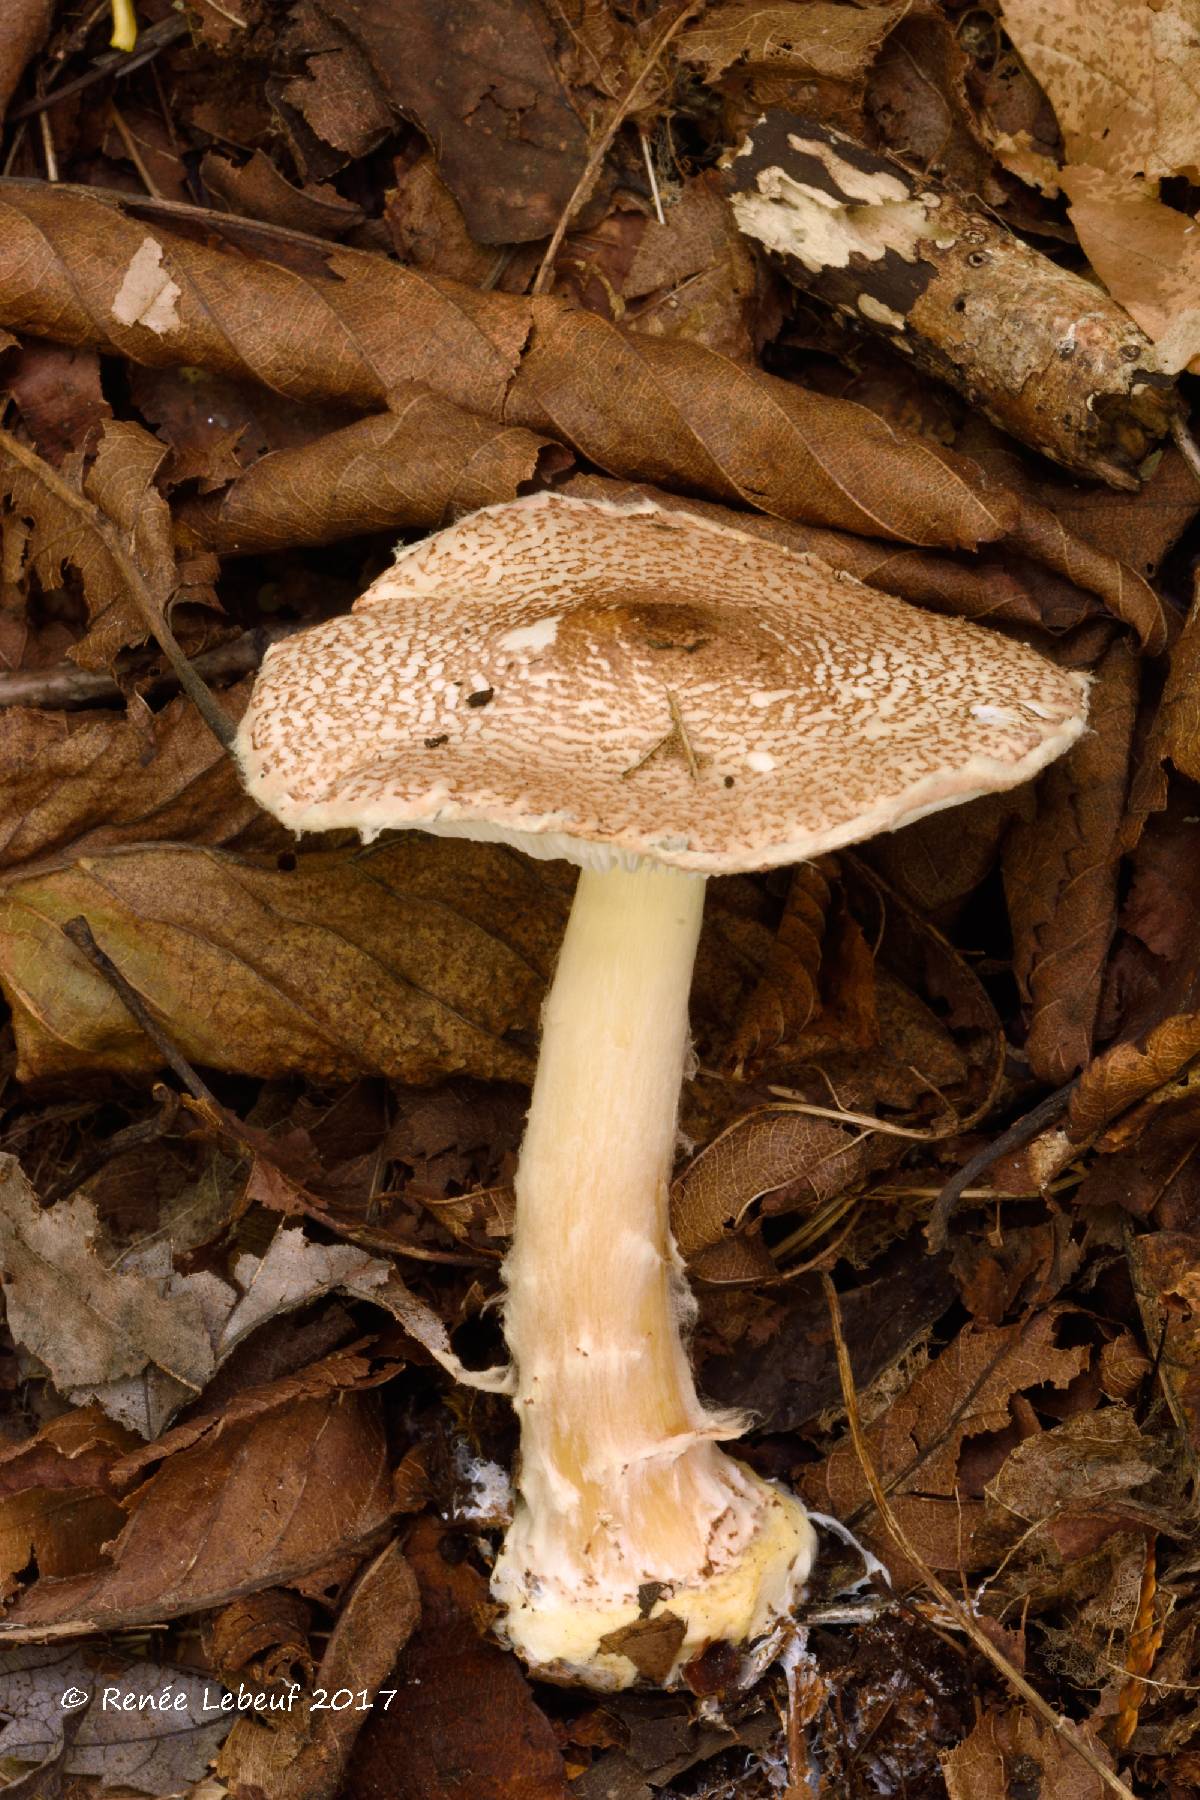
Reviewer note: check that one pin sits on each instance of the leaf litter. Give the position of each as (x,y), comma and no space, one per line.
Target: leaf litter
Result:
(299,283)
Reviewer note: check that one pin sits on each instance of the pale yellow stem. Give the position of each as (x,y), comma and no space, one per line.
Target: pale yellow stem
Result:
(621,1481)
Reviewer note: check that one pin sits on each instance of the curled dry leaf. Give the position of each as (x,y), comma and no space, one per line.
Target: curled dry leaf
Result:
(344,324)
(267,1501)
(420,958)
(787,994)
(1060,876)
(263,1638)
(763,1153)
(652,409)
(421,463)
(1119,1077)
(305,1758)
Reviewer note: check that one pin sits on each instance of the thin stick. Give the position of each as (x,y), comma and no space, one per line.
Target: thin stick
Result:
(603,144)
(962,1618)
(132,151)
(1023,1131)
(218,721)
(649,161)
(80,934)
(48,147)
(117,63)
(67,685)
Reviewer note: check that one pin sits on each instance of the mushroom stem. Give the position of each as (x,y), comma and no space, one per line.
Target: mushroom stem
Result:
(623,1490)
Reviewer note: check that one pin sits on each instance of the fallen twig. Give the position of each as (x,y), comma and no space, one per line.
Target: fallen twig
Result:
(67,685)
(1022,1131)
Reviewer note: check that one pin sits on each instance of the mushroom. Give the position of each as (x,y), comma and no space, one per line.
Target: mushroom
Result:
(657,698)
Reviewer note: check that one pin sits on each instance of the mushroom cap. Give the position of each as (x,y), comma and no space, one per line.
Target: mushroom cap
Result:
(606,682)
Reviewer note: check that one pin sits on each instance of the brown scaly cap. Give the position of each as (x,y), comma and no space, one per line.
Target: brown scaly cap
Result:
(598,681)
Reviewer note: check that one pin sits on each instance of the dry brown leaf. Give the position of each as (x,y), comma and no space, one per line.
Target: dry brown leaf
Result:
(463,1703)
(62,1533)
(915,1447)
(422,463)
(1147,254)
(1126,1073)
(131,1332)
(1060,876)
(1122,77)
(787,994)
(120,486)
(825,39)
(666,411)
(258,190)
(416,959)
(482,82)
(1012,1749)
(354,326)
(75,1450)
(304,1757)
(1166,1269)
(26,26)
(1086,1465)
(337,96)
(920,98)
(812,1159)
(58,395)
(345,1370)
(343,324)
(94,1325)
(91,780)
(263,1638)
(1176,733)
(694,276)
(265,1502)
(940,860)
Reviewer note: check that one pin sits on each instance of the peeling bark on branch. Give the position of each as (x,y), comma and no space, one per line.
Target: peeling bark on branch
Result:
(1044,353)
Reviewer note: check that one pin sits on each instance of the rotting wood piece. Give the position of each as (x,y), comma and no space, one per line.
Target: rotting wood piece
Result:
(1047,355)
